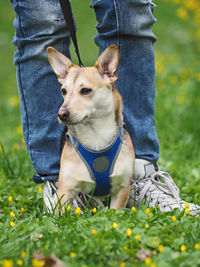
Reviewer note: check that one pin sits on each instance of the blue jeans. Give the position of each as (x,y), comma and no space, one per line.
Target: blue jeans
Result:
(126,23)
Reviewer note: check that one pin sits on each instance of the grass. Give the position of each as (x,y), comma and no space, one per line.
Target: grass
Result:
(70,237)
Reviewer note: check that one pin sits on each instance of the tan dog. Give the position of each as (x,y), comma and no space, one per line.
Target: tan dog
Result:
(92,112)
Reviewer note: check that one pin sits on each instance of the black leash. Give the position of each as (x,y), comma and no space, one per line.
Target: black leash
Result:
(67,13)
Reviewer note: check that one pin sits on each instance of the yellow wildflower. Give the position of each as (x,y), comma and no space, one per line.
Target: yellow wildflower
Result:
(39,189)
(161,248)
(94,232)
(154,243)
(115,225)
(7,263)
(146,226)
(147,261)
(20,262)
(78,211)
(153,265)
(125,248)
(186,205)
(128,232)
(10,199)
(94,210)
(138,237)
(180,99)
(12,224)
(72,254)
(182,13)
(38,263)
(68,208)
(148,212)
(19,130)
(197,246)
(14,101)
(183,248)
(12,214)
(23,210)
(173,218)
(23,254)
(133,208)
(123,264)
(187,211)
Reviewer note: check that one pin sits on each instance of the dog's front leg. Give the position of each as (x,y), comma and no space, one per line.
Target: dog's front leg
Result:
(120,198)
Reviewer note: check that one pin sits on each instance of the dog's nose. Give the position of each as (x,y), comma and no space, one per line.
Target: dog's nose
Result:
(63,114)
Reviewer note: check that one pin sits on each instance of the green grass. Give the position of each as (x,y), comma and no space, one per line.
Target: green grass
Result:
(177,120)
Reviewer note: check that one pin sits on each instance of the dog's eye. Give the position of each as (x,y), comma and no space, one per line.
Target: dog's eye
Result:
(85,91)
(64,91)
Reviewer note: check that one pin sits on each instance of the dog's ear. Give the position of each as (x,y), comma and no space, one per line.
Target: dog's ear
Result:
(107,63)
(59,63)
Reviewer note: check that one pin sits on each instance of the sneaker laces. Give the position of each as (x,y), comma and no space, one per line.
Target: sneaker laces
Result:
(159,189)
(166,187)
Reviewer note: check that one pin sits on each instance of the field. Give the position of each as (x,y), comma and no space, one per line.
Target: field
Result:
(139,237)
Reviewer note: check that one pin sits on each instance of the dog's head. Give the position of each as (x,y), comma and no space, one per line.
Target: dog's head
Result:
(87,92)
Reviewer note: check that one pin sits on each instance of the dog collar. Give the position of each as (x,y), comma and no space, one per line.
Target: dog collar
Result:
(100,164)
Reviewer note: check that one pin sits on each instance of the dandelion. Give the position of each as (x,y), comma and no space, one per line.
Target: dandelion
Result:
(128,232)
(72,254)
(183,248)
(12,224)
(68,208)
(20,262)
(161,248)
(197,246)
(147,261)
(38,263)
(153,265)
(115,225)
(10,199)
(187,211)
(23,254)
(7,263)
(94,232)
(148,212)
(173,218)
(39,189)
(146,226)
(23,210)
(137,237)
(94,210)
(133,208)
(12,214)
(123,264)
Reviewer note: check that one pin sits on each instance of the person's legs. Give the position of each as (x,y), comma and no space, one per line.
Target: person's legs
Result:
(128,24)
(39,24)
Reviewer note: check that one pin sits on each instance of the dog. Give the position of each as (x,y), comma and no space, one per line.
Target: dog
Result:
(98,155)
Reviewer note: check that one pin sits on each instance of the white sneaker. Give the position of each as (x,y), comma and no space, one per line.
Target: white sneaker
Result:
(81,201)
(155,187)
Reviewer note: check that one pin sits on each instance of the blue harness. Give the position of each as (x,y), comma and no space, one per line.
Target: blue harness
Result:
(100,164)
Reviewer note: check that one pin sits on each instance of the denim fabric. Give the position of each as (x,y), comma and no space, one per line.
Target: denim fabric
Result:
(128,24)
(38,24)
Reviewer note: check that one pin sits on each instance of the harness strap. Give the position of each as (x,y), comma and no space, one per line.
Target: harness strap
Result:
(100,164)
